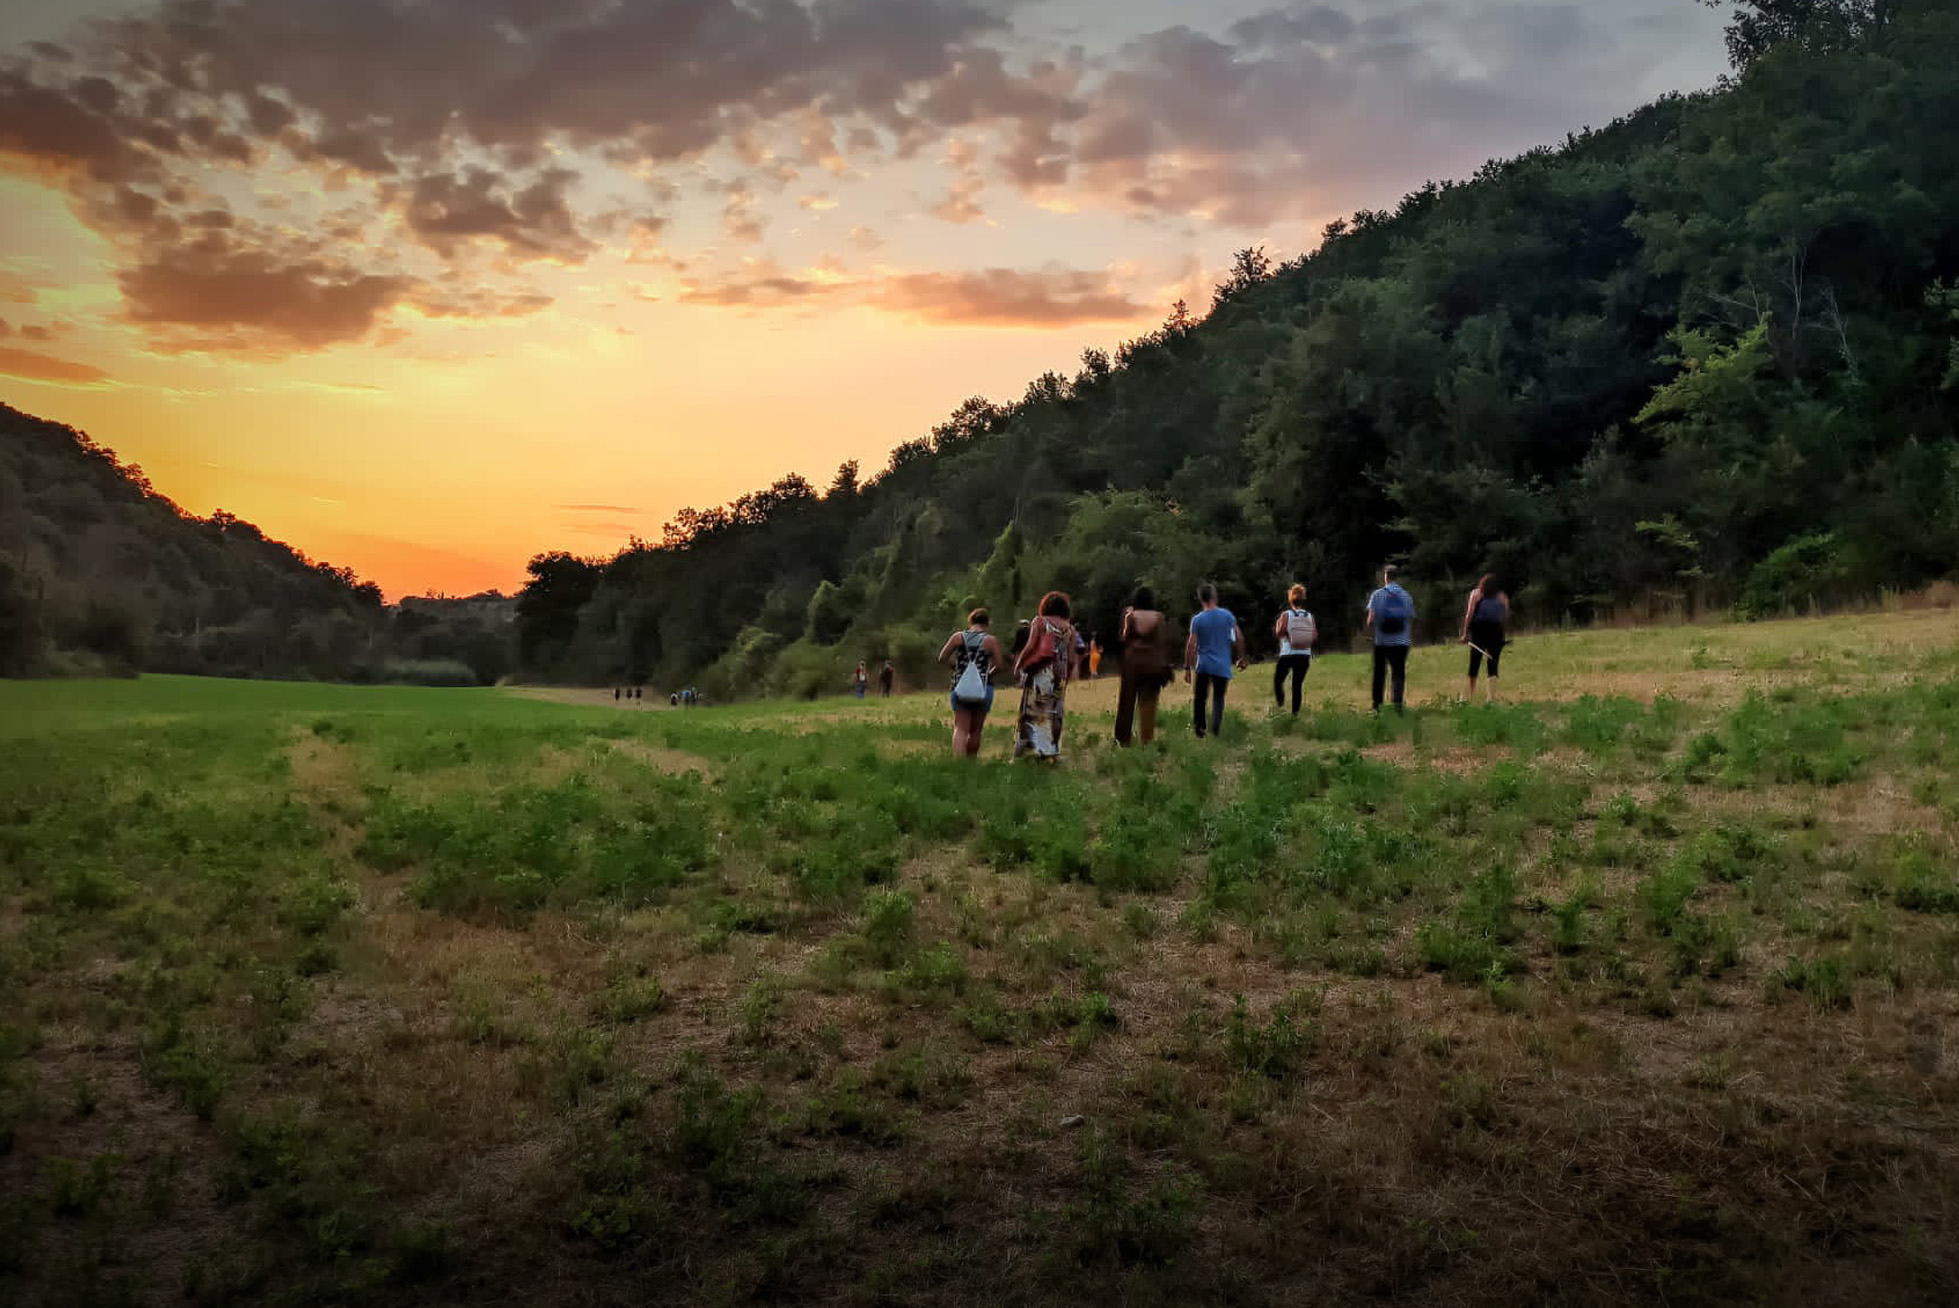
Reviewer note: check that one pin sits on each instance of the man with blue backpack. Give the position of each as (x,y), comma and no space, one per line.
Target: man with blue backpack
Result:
(1391,621)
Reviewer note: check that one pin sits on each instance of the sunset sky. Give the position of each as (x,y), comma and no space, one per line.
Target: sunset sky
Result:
(425,287)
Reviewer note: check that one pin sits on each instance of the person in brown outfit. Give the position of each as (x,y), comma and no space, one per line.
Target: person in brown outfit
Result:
(1145,667)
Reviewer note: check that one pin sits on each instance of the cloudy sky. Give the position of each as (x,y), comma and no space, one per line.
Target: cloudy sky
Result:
(428,286)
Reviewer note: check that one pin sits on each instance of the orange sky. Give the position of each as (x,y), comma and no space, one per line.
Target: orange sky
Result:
(425,301)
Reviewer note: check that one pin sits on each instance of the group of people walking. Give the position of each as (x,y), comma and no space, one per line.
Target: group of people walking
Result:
(1048,655)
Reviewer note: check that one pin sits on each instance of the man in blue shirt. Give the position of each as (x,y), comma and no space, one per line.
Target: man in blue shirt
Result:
(1215,644)
(1391,620)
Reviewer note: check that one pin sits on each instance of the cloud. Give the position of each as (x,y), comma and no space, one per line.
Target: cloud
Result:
(31,365)
(992,297)
(449,117)
(1004,297)
(1305,107)
(358,153)
(211,296)
(961,204)
(534,221)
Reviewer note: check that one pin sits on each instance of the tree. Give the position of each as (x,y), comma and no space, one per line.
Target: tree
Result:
(1816,26)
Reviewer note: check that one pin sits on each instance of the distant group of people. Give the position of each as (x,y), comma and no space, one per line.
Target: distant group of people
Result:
(1049,652)
(886,676)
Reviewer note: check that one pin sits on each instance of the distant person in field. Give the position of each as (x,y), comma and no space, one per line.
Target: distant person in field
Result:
(1391,621)
(885,676)
(863,679)
(1297,633)
(1044,667)
(673,699)
(1021,634)
(977,651)
(1094,658)
(1484,620)
(1215,645)
(1145,654)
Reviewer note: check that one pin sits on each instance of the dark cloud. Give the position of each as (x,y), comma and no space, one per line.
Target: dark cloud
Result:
(1291,111)
(992,297)
(451,111)
(31,365)
(532,221)
(50,130)
(484,131)
(213,296)
(664,74)
(1003,297)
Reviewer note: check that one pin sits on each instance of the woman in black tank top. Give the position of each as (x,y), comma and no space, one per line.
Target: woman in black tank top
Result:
(977,646)
(1483,622)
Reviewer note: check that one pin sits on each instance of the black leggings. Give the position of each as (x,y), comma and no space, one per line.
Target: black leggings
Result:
(1483,638)
(1209,683)
(1390,658)
(1296,666)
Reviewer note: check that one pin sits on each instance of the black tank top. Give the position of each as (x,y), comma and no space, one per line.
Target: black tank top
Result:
(972,651)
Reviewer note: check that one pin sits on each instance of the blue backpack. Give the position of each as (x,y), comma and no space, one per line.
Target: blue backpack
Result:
(1392,613)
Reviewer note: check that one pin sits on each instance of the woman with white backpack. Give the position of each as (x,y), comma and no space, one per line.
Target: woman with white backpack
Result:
(973,654)
(1297,633)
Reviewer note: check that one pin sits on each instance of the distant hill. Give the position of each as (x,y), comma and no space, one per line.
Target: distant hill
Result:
(1701,358)
(99,572)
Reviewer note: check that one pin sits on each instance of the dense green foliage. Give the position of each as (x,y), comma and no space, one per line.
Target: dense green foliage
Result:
(1701,357)
(99,572)
(98,568)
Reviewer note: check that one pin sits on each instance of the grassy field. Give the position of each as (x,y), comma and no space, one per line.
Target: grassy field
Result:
(1632,989)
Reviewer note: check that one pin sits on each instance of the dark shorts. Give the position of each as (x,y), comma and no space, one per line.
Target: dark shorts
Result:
(981,709)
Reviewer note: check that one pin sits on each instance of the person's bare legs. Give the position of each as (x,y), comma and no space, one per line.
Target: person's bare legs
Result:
(963,733)
(1470,698)
(973,734)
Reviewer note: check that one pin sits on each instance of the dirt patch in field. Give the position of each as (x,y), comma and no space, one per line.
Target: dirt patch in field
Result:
(674,762)
(582,698)
(328,782)
(157,1156)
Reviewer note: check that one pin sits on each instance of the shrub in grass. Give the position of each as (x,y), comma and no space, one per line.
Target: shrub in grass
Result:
(1498,724)
(718,1135)
(927,1074)
(1568,918)
(629,995)
(1919,883)
(1664,895)
(1274,1048)
(1598,725)
(849,1109)
(1141,854)
(1472,944)
(176,1059)
(888,925)
(1824,980)
(939,968)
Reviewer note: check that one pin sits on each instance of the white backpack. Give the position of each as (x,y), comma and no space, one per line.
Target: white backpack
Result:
(1301,630)
(971,686)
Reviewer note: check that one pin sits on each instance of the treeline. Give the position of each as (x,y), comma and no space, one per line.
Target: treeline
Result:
(99,573)
(1701,358)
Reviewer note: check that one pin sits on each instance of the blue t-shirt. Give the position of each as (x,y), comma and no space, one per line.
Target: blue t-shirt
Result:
(1387,604)
(1214,629)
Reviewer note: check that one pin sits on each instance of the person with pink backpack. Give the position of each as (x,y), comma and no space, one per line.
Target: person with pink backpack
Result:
(1297,633)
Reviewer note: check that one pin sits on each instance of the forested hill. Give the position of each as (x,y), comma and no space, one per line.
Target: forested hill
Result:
(99,572)
(1701,357)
